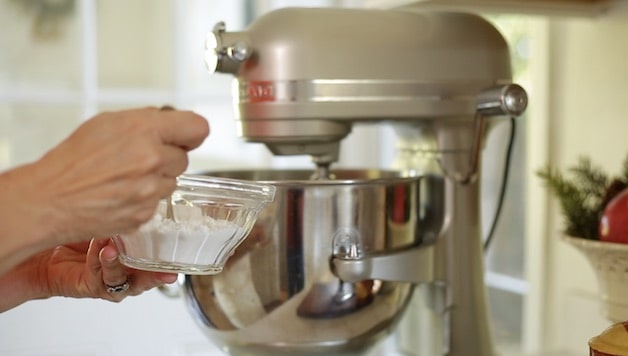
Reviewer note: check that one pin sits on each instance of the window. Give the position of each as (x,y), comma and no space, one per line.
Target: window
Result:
(506,252)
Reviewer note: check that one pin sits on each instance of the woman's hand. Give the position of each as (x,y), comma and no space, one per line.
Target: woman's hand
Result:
(81,270)
(108,175)
(105,178)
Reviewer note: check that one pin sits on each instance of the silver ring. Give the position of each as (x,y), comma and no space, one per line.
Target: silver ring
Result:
(117,289)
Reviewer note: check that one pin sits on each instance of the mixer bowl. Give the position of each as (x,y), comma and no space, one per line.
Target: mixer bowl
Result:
(278,294)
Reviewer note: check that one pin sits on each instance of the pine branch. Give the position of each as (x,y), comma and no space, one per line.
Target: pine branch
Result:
(584,194)
(591,179)
(579,205)
(624,174)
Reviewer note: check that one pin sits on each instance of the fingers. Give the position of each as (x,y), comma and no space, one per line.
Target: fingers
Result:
(120,281)
(142,281)
(184,129)
(92,259)
(113,272)
(174,161)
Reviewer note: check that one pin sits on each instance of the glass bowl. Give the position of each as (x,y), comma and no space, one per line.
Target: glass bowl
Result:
(209,218)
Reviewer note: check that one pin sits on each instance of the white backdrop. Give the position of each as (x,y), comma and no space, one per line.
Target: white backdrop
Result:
(116,54)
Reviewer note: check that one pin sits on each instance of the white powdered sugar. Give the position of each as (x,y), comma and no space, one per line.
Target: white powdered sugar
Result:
(193,239)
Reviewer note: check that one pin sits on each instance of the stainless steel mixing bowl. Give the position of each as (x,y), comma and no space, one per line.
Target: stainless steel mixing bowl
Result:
(278,292)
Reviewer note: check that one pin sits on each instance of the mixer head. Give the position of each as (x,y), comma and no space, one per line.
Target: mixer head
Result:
(304,76)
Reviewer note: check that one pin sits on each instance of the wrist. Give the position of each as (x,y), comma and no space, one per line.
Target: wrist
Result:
(27,224)
(26,281)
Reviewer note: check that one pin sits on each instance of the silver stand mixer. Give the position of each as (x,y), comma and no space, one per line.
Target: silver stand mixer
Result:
(331,265)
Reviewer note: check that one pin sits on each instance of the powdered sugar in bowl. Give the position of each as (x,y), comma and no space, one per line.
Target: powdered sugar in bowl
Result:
(211,217)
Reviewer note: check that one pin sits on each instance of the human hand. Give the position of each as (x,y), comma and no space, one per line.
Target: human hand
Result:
(109,174)
(88,269)
(80,270)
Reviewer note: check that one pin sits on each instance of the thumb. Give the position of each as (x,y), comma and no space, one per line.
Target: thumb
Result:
(92,260)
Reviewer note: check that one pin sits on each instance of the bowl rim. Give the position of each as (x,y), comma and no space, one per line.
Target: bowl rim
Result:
(595,244)
(260,192)
(356,177)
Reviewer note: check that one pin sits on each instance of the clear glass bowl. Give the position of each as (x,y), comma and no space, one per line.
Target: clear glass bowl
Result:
(210,218)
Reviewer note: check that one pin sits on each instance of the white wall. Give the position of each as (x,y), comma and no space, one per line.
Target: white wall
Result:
(588,112)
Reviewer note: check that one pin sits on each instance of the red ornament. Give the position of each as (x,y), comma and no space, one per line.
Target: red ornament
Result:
(614,222)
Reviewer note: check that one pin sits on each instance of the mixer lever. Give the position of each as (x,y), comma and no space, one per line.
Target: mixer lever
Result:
(505,100)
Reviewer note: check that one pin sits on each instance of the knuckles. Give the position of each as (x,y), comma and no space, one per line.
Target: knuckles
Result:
(142,215)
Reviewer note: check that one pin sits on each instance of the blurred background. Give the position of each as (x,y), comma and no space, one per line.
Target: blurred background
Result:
(63,61)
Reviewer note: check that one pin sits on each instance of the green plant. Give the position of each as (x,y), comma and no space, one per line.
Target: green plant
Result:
(583,194)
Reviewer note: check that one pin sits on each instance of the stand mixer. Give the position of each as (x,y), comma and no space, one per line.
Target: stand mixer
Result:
(331,266)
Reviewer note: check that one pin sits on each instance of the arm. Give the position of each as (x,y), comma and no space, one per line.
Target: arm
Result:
(105,178)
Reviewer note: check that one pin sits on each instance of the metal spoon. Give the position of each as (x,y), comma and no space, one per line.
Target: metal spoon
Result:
(170,210)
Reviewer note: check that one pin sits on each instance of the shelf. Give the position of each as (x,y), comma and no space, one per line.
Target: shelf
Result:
(571,8)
